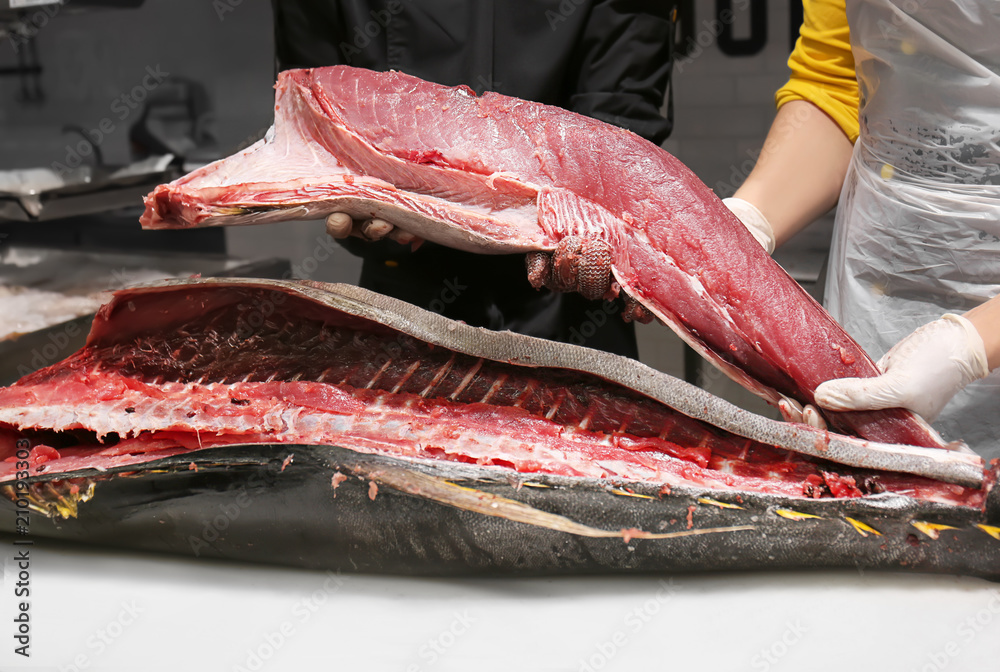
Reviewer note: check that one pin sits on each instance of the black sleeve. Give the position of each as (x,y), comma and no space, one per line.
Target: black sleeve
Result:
(625,62)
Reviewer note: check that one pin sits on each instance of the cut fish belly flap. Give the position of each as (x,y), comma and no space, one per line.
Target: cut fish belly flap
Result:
(471,227)
(421,176)
(498,212)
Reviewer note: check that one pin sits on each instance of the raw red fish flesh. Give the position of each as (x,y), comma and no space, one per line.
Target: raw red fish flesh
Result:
(201,364)
(496,174)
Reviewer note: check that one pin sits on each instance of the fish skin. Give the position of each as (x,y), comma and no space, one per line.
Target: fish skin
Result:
(238,504)
(495,174)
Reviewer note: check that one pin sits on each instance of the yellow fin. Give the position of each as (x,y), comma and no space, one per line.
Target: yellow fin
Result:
(794,515)
(932,530)
(626,493)
(862,528)
(990,530)
(62,498)
(721,505)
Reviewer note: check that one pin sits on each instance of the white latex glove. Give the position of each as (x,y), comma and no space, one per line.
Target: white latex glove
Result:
(754,220)
(922,372)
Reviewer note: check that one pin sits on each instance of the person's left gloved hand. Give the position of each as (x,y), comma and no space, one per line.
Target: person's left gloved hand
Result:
(922,372)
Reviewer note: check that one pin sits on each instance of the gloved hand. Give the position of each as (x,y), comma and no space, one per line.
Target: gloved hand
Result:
(922,372)
(341,225)
(793,411)
(754,220)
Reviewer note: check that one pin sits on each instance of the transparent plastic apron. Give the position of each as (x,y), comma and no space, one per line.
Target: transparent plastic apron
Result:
(918,224)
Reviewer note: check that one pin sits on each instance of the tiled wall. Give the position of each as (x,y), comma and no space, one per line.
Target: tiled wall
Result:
(724,104)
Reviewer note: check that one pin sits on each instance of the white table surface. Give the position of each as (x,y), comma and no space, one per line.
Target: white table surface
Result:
(97,609)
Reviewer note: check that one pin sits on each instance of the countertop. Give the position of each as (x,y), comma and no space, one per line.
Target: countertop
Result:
(100,609)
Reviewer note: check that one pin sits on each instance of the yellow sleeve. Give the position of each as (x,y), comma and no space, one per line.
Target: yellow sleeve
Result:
(823,66)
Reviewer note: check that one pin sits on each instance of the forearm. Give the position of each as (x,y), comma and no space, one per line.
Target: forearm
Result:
(986,318)
(800,170)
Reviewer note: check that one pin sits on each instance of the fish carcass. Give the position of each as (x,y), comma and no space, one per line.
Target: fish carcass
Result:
(328,426)
(496,174)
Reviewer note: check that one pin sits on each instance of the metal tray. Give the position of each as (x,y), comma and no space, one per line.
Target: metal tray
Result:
(41,194)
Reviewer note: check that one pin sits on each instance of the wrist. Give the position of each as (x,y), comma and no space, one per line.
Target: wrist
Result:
(986,320)
(754,220)
(977,358)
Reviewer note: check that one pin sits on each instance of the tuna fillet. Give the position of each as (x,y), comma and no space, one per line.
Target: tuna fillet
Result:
(495,174)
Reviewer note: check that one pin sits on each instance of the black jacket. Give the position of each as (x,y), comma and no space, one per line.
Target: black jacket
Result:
(609,59)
